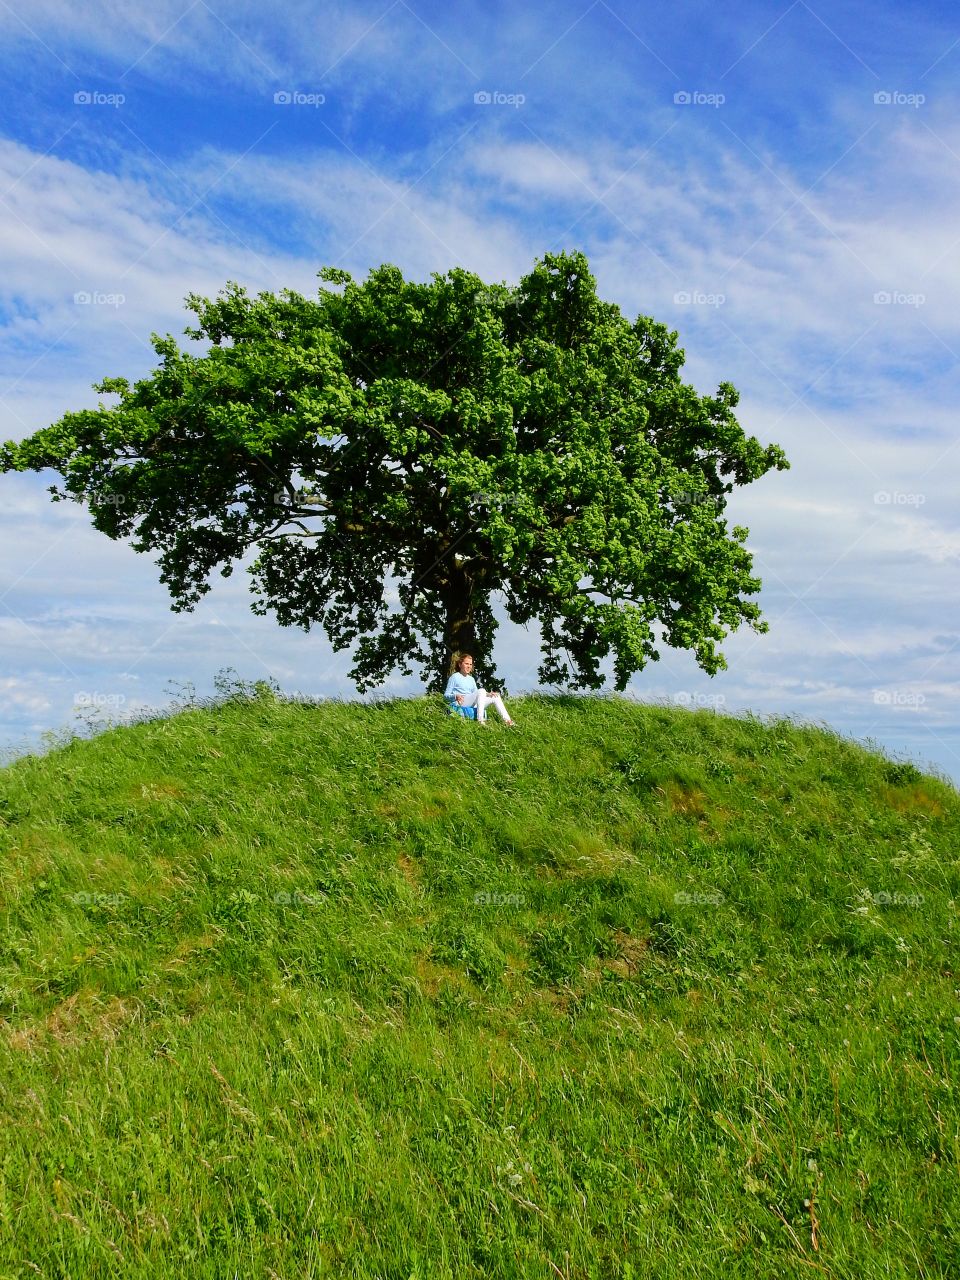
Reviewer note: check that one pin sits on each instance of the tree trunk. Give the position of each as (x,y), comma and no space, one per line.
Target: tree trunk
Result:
(459,635)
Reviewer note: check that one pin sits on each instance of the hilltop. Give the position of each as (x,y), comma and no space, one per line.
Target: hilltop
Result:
(345,989)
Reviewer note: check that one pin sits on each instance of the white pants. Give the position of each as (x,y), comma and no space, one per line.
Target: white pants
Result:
(481,700)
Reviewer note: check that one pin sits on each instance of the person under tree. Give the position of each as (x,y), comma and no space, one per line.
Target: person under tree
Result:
(462,691)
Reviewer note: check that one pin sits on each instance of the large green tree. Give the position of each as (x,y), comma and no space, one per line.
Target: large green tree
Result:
(459,438)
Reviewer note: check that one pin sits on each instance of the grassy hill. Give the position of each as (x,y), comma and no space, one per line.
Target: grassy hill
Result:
(293,990)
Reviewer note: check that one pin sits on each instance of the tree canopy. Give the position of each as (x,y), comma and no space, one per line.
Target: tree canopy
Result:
(458,438)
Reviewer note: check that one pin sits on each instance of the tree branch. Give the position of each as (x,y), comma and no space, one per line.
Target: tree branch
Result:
(319,508)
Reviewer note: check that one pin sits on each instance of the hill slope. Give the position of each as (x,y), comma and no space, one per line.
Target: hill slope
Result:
(350,990)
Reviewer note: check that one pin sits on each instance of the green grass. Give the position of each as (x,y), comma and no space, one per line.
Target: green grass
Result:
(348,990)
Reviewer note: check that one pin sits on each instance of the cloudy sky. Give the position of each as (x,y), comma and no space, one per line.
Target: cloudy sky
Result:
(776,182)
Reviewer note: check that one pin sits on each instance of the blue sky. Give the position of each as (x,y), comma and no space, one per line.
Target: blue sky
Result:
(776,182)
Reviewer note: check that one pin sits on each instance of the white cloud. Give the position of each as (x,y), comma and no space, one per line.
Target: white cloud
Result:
(22,695)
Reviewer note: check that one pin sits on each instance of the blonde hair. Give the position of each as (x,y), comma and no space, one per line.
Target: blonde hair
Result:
(457,659)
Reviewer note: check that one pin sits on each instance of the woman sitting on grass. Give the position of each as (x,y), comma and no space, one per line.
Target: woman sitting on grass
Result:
(462,690)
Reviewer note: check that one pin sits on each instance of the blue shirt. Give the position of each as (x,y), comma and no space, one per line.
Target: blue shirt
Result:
(459,684)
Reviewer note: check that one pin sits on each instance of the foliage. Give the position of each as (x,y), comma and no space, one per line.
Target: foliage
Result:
(458,438)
